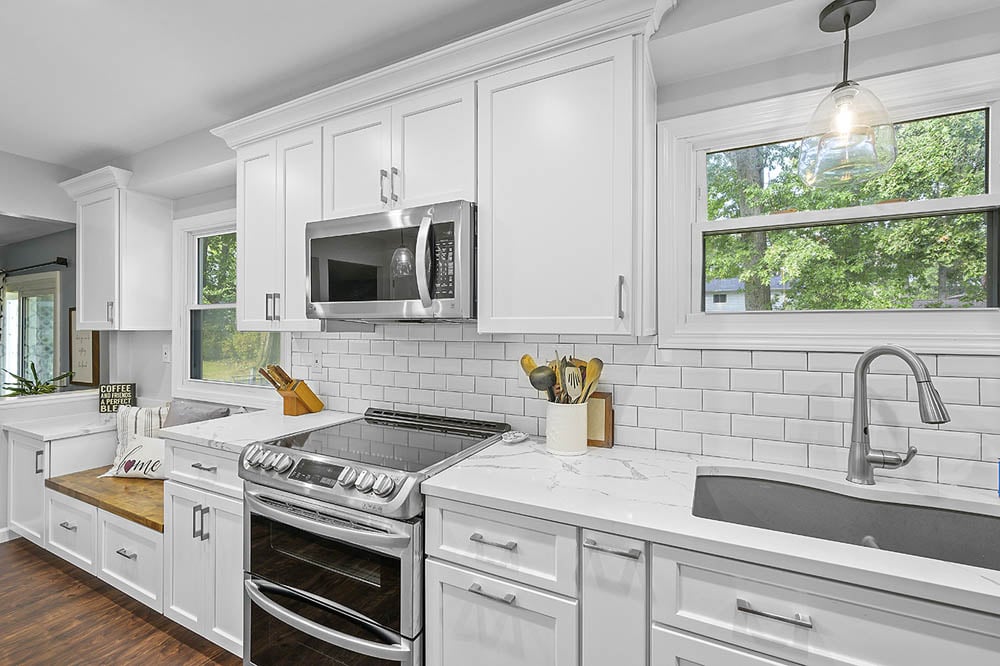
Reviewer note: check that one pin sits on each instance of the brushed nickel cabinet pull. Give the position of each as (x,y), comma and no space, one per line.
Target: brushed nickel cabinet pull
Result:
(68,526)
(392,185)
(127,555)
(382,175)
(195,512)
(508,599)
(39,466)
(799,620)
(631,553)
(621,296)
(204,533)
(203,468)
(479,538)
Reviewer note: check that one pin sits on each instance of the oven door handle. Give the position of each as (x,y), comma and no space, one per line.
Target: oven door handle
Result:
(397,652)
(357,537)
(423,235)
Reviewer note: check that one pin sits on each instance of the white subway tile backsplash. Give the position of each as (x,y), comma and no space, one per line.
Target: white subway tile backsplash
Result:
(785,407)
(705,378)
(764,381)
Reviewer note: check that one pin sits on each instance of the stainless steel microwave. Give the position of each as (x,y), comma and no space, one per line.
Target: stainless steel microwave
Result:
(415,263)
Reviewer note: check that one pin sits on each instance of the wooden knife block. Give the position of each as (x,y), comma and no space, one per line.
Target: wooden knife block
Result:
(299,399)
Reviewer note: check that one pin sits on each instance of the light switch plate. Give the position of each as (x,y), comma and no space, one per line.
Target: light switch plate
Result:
(165,354)
(315,365)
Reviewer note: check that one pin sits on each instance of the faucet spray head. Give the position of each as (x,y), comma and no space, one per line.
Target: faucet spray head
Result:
(932,409)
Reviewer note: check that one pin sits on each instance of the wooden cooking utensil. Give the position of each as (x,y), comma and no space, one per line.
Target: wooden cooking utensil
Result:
(594,368)
(528,364)
(543,378)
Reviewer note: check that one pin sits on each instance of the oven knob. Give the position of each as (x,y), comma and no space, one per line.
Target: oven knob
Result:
(347,477)
(270,460)
(257,457)
(383,486)
(250,453)
(283,464)
(365,481)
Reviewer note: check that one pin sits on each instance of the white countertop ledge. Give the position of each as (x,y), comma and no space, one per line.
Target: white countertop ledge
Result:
(60,427)
(647,495)
(234,433)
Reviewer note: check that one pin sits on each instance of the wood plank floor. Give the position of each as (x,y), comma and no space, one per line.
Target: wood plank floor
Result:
(54,614)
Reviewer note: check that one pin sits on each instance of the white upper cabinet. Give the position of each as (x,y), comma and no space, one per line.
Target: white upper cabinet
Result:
(559,208)
(123,279)
(433,148)
(256,235)
(356,156)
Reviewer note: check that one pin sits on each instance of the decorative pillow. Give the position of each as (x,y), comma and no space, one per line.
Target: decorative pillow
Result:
(187,411)
(145,421)
(143,459)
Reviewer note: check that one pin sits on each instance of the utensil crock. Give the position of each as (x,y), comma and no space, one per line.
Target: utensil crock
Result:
(566,429)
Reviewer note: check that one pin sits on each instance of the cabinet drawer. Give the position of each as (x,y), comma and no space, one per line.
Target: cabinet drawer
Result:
(613,599)
(477,619)
(671,648)
(813,620)
(529,550)
(203,468)
(71,530)
(131,558)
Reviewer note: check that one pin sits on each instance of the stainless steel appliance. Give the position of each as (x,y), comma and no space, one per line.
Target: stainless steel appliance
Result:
(417,263)
(334,538)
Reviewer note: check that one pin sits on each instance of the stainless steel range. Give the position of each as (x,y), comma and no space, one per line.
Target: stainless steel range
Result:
(334,537)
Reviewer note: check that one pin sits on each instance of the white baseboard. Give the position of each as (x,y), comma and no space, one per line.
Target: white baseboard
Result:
(7,534)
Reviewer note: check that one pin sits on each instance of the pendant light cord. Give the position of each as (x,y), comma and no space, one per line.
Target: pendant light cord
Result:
(847,43)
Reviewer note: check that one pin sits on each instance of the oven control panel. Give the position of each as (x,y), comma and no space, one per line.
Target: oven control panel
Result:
(345,479)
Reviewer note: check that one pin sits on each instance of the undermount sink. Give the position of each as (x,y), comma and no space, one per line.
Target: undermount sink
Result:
(938,533)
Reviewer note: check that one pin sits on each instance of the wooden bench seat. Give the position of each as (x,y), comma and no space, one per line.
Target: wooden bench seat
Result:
(136,500)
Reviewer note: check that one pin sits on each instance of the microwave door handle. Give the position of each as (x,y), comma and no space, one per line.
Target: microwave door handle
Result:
(397,652)
(393,542)
(423,235)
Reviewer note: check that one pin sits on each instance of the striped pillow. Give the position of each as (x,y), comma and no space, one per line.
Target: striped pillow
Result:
(145,421)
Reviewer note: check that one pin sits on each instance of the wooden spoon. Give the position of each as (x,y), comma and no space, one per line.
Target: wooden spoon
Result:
(594,368)
(528,364)
(543,378)
(574,383)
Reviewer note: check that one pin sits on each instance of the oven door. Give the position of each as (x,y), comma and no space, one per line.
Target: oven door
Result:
(288,627)
(415,263)
(368,565)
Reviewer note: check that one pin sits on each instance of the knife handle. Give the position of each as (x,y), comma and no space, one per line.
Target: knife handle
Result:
(280,374)
(269,378)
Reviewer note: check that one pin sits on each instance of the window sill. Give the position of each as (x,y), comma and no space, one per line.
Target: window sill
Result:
(926,332)
(257,397)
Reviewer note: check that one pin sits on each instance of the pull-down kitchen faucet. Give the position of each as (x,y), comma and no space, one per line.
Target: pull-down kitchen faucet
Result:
(862,459)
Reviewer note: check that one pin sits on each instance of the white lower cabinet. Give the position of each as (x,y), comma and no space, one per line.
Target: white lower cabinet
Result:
(71,530)
(203,563)
(670,648)
(473,618)
(130,557)
(613,599)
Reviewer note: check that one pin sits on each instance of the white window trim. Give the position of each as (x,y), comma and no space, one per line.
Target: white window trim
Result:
(682,145)
(186,233)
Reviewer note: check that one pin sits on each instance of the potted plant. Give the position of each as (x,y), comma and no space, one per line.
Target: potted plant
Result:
(33,386)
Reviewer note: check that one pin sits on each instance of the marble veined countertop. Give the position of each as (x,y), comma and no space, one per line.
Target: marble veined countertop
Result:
(234,433)
(61,427)
(648,494)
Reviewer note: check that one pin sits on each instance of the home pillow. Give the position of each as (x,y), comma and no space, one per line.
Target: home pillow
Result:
(136,421)
(187,411)
(143,459)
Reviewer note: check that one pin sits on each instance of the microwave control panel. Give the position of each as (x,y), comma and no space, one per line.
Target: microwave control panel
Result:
(443,285)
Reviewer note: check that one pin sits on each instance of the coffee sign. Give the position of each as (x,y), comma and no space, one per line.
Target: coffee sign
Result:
(112,396)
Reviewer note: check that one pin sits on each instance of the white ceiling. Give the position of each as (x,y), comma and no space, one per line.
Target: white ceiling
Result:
(17,229)
(699,39)
(86,81)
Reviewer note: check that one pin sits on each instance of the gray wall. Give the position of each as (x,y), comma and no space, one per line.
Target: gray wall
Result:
(47,248)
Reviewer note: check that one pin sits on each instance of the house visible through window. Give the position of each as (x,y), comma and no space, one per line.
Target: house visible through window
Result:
(845,256)
(218,352)
(30,333)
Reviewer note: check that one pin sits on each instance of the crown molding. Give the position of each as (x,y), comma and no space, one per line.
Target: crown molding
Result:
(570,25)
(93,181)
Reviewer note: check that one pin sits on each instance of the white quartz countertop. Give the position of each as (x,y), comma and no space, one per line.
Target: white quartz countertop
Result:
(61,427)
(234,433)
(648,495)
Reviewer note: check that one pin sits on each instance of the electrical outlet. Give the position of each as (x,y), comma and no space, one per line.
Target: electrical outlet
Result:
(165,354)
(316,366)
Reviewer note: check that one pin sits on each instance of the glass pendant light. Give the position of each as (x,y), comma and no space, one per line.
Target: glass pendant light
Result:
(402,260)
(850,137)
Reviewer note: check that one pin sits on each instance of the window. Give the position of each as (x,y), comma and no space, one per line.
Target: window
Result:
(910,256)
(30,326)
(214,360)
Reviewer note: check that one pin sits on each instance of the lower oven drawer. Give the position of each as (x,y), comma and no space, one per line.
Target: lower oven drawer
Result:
(288,628)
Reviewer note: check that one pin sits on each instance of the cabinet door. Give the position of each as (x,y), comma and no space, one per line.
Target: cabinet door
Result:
(613,599)
(670,648)
(356,156)
(434,148)
(185,556)
(97,260)
(477,619)
(556,172)
(300,176)
(224,592)
(26,484)
(257,234)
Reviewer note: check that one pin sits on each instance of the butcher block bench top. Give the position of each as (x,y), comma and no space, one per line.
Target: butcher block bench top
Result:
(137,500)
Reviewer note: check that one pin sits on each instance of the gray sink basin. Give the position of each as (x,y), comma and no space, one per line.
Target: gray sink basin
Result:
(937,533)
